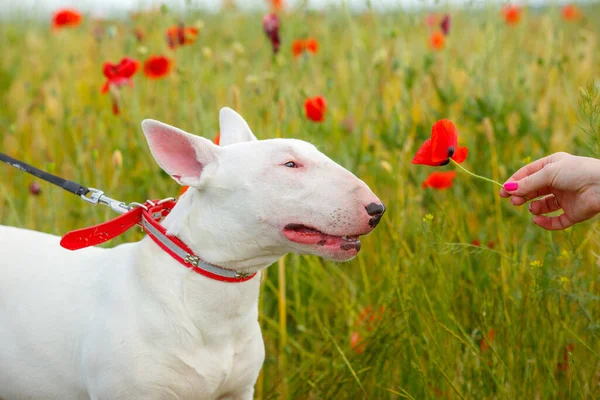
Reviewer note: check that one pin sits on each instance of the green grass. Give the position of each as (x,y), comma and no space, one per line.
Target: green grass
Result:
(514,94)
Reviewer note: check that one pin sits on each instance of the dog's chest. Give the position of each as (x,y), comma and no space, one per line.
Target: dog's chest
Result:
(209,372)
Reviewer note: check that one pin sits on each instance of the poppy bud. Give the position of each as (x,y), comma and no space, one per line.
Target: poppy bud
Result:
(35,189)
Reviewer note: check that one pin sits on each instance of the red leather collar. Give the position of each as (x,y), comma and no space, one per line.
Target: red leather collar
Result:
(148,217)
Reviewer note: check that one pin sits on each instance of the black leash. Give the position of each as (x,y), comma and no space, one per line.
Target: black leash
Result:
(69,186)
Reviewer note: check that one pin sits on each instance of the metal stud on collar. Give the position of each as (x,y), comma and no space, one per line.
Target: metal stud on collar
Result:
(191,259)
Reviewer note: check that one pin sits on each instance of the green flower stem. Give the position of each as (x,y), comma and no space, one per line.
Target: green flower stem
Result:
(475,175)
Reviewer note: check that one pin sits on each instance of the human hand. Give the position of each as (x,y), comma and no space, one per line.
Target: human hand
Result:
(566,182)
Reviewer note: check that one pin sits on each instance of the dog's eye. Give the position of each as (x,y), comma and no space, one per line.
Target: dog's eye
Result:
(291,164)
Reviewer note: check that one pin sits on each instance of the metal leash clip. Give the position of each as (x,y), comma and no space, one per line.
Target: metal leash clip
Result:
(97,196)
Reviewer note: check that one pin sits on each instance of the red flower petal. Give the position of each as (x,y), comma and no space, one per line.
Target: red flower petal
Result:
(315,108)
(423,155)
(298,46)
(157,67)
(128,67)
(444,138)
(66,17)
(439,180)
(460,154)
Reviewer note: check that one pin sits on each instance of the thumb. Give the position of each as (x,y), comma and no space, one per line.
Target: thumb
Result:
(533,183)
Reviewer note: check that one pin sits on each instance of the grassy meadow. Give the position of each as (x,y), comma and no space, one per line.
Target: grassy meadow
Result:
(456,294)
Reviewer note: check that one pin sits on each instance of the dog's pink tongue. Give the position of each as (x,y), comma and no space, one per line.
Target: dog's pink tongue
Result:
(303,236)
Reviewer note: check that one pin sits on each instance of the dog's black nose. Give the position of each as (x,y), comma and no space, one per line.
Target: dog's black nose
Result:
(375,210)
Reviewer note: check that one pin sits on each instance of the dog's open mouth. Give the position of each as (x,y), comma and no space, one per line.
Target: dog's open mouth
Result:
(310,236)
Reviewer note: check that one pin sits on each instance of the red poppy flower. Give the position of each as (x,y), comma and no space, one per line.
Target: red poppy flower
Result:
(364,323)
(139,34)
(312,46)
(445,25)
(35,189)
(299,46)
(439,180)
(476,242)
(119,74)
(512,14)
(276,5)
(315,108)
(442,146)
(564,366)
(271,28)
(437,40)
(156,67)
(178,35)
(485,345)
(570,12)
(66,17)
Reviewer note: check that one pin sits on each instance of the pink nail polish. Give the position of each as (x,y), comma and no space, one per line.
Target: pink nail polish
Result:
(511,186)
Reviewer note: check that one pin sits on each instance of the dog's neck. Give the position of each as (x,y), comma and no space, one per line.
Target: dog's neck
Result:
(194,221)
(198,220)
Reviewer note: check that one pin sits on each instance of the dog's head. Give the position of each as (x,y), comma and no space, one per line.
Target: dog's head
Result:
(258,200)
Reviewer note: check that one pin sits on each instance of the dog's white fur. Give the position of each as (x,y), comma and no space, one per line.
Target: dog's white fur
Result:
(132,323)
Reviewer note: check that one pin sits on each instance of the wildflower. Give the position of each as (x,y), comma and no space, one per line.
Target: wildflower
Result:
(178,35)
(570,12)
(35,189)
(442,146)
(439,180)
(119,74)
(207,52)
(535,264)
(445,25)
(300,46)
(386,166)
(512,14)
(365,322)
(563,280)
(66,18)
(312,46)
(357,343)
(271,28)
(297,47)
(428,218)
(491,244)
(348,124)
(315,108)
(139,34)
(276,5)
(564,366)
(117,158)
(437,40)
(485,345)
(476,242)
(156,67)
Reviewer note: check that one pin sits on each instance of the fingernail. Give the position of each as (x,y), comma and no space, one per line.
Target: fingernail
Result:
(530,208)
(510,186)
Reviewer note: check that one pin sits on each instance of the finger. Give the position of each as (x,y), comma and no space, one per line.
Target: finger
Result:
(553,223)
(539,181)
(544,205)
(531,168)
(528,170)
(520,200)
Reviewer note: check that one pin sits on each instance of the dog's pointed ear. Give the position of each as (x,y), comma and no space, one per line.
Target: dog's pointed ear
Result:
(181,155)
(233,128)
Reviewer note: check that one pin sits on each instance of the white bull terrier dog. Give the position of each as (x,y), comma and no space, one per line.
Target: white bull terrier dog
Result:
(132,322)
